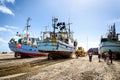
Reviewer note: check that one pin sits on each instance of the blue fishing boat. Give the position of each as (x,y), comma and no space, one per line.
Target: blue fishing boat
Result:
(111,41)
(24,45)
(59,43)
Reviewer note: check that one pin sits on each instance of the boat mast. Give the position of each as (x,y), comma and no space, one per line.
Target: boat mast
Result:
(69,29)
(114,31)
(27,28)
(54,20)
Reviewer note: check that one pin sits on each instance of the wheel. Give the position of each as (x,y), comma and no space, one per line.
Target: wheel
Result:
(50,56)
(17,55)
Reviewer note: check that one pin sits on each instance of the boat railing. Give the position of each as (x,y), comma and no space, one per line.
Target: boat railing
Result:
(13,41)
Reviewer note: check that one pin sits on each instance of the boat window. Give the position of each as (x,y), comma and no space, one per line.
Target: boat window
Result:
(114,39)
(103,40)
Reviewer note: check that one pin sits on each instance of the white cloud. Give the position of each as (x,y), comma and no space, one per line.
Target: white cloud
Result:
(3,29)
(4,45)
(76,4)
(11,27)
(88,45)
(3,41)
(8,29)
(6,10)
(93,44)
(10,1)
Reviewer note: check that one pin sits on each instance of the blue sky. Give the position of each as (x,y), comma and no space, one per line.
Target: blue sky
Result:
(90,18)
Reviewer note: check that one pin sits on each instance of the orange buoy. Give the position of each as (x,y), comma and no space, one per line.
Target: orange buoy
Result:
(18,46)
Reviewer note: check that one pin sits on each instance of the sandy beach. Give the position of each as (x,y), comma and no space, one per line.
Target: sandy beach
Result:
(63,69)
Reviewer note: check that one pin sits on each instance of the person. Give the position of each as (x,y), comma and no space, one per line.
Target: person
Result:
(99,57)
(90,56)
(75,44)
(104,56)
(107,58)
(110,53)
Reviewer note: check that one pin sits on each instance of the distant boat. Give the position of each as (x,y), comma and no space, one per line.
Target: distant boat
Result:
(111,41)
(59,43)
(25,46)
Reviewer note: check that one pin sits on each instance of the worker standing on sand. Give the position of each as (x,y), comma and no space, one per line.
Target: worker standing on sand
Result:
(107,58)
(110,53)
(104,56)
(90,56)
(99,57)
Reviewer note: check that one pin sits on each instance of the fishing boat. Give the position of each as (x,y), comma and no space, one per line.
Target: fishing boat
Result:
(111,41)
(59,43)
(24,45)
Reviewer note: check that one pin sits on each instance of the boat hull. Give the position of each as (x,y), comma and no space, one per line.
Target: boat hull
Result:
(26,51)
(56,49)
(113,46)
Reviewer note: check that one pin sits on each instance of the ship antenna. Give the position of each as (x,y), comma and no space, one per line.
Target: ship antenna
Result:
(28,26)
(87,42)
(46,28)
(54,20)
(69,28)
(114,30)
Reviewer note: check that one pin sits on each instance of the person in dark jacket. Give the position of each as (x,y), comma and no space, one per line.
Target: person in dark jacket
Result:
(90,56)
(110,53)
(99,57)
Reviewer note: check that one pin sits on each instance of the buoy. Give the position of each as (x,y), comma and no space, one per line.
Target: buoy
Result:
(18,46)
